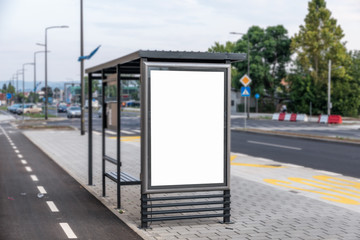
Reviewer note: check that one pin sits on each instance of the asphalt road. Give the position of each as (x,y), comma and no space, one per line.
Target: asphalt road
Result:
(328,156)
(65,211)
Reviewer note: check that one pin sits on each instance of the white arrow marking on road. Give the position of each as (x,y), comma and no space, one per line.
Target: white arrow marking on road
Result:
(275,145)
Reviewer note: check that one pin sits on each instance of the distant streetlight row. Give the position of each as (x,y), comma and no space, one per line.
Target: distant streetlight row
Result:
(21,71)
(46,51)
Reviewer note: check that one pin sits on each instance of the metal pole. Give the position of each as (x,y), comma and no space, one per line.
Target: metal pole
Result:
(46,51)
(23,98)
(248,70)
(46,86)
(82,122)
(329,88)
(23,90)
(35,71)
(34,77)
(118,134)
(90,168)
(256,105)
(245,114)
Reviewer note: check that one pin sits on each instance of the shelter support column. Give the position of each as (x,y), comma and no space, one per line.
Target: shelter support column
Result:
(90,145)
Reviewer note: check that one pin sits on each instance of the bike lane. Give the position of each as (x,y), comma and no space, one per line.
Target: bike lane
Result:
(39,200)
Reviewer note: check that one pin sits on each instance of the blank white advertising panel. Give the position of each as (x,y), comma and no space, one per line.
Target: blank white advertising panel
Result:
(187,127)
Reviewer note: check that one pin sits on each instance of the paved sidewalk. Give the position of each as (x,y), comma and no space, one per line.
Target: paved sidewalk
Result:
(269,200)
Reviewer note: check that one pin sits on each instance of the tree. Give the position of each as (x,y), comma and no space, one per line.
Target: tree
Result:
(49,91)
(228,47)
(57,93)
(11,89)
(4,88)
(95,85)
(317,42)
(269,54)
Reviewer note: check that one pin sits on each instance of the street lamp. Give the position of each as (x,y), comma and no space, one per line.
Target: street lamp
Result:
(82,102)
(46,51)
(23,100)
(248,69)
(35,53)
(20,71)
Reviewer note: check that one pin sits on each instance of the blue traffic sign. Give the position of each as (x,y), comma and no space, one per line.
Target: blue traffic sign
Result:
(245,91)
(8,96)
(257,96)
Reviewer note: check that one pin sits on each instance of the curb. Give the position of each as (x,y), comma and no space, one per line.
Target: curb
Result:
(296,135)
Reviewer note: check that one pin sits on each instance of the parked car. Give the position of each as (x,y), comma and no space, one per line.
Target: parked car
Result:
(14,107)
(73,111)
(62,108)
(28,108)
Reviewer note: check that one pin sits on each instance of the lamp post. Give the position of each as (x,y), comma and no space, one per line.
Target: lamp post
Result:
(329,104)
(35,53)
(329,88)
(20,71)
(46,51)
(82,102)
(23,100)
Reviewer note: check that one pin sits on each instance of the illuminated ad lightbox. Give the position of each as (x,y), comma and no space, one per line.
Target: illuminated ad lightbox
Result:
(186,127)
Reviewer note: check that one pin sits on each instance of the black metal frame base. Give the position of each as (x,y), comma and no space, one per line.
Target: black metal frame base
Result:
(168,208)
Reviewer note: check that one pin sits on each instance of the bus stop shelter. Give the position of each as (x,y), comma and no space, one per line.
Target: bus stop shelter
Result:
(185,132)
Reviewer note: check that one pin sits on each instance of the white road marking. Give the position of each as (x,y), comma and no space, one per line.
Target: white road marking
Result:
(17,151)
(291,165)
(34,178)
(110,132)
(126,132)
(20,156)
(96,133)
(275,145)
(24,162)
(138,131)
(328,173)
(14,147)
(68,231)
(42,189)
(28,169)
(52,206)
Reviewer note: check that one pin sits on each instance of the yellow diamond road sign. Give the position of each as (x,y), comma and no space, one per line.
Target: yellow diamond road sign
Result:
(245,80)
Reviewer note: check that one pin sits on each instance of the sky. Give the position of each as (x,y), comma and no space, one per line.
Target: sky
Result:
(125,26)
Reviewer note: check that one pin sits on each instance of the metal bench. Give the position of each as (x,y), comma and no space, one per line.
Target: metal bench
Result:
(125,179)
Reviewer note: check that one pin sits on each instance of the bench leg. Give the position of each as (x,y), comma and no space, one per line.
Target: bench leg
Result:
(103,185)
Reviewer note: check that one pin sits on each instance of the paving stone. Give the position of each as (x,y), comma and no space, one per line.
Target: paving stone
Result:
(259,211)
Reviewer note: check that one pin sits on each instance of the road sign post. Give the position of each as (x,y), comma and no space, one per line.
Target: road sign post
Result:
(245,81)
(257,98)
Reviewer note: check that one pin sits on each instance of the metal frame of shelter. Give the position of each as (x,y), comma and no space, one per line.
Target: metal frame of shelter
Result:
(135,66)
